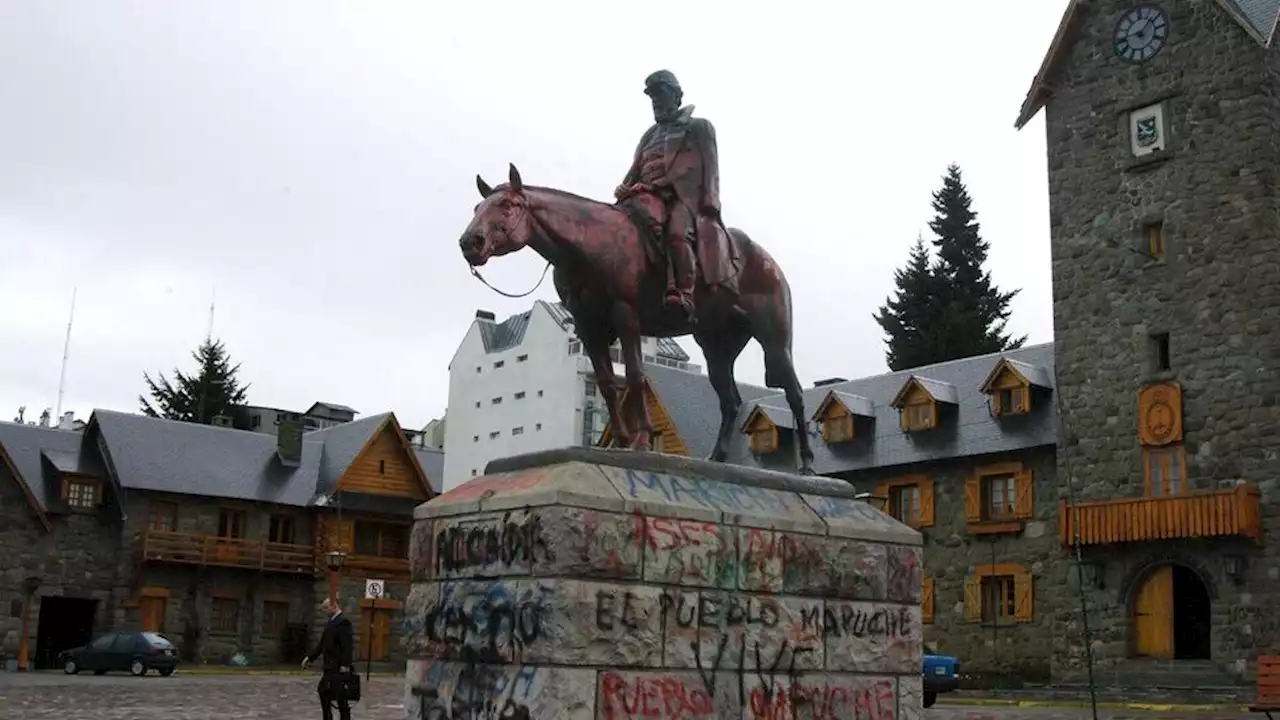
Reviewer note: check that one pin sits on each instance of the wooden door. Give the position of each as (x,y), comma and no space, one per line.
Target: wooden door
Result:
(381,633)
(1153,615)
(152,614)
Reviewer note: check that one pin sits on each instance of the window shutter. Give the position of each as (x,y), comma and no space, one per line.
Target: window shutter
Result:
(1023,499)
(343,537)
(926,503)
(1020,399)
(973,599)
(1022,600)
(882,491)
(926,601)
(973,499)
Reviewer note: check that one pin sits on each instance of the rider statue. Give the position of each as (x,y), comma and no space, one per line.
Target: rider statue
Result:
(674,182)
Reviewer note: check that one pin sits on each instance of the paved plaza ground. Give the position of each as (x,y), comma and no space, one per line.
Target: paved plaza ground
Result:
(46,696)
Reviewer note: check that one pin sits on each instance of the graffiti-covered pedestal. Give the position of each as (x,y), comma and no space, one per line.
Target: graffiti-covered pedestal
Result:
(590,584)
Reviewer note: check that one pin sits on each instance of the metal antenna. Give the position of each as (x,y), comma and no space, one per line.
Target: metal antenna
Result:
(66,353)
(208,335)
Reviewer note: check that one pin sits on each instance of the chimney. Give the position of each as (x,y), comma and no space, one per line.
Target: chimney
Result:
(830,381)
(289,442)
(485,315)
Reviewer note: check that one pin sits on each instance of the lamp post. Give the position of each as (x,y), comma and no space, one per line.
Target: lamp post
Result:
(876,501)
(335,559)
(30,585)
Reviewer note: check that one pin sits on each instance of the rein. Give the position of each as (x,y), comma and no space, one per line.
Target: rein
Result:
(511,295)
(531,290)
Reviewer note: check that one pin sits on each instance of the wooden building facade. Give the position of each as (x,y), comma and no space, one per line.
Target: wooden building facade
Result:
(214,537)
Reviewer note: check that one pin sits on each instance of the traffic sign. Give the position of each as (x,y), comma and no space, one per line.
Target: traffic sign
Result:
(374,589)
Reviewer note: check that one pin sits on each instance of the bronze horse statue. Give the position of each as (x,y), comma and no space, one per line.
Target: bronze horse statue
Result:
(612,280)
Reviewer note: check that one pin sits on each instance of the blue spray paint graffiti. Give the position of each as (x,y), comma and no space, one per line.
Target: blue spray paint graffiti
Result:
(710,494)
(490,621)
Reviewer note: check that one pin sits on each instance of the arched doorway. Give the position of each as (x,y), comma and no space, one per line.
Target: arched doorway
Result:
(1171,615)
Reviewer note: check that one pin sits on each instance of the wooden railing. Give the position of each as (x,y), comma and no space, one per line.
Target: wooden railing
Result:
(172,547)
(374,565)
(1218,513)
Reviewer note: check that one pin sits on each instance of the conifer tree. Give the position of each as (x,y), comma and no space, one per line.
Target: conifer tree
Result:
(211,391)
(913,317)
(975,311)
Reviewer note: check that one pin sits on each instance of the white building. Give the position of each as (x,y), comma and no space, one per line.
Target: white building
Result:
(524,385)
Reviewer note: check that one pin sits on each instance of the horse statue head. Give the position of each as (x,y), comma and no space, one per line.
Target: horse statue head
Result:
(502,223)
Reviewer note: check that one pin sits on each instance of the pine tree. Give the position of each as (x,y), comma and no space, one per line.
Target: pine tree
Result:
(212,391)
(975,312)
(913,318)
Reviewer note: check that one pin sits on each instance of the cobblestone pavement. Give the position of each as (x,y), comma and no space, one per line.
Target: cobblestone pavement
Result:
(49,696)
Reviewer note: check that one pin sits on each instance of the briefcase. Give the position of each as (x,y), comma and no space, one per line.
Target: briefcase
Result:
(350,686)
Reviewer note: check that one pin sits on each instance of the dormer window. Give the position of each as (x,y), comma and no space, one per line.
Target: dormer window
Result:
(918,403)
(837,426)
(81,493)
(1009,384)
(762,425)
(839,415)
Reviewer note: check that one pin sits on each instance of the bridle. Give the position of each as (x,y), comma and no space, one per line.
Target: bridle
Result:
(506,233)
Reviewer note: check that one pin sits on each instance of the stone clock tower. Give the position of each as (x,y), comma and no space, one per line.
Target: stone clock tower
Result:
(1163,128)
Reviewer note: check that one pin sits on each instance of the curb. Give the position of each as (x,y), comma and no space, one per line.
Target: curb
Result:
(282,672)
(1102,704)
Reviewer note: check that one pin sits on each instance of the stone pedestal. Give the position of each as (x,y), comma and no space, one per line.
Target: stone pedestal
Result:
(590,585)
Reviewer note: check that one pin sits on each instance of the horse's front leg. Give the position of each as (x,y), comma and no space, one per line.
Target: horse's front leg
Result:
(596,344)
(627,322)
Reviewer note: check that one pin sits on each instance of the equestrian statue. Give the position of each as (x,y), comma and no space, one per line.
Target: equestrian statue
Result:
(658,262)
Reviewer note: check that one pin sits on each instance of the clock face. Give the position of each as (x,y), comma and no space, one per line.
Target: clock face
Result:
(1141,33)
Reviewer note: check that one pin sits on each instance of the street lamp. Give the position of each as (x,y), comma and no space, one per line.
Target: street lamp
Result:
(875,501)
(335,559)
(30,585)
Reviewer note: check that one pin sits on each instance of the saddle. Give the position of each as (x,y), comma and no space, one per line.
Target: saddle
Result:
(715,268)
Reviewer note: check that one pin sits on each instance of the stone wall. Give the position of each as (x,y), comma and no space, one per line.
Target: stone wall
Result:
(192,589)
(76,559)
(952,552)
(1215,293)
(610,585)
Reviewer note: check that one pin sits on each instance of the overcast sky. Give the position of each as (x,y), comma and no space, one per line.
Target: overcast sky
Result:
(314,162)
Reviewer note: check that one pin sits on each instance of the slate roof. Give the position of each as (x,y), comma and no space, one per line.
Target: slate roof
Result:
(855,404)
(432,462)
(1260,15)
(509,333)
(153,454)
(331,406)
(967,430)
(1258,18)
(937,389)
(693,405)
(190,459)
(506,334)
(28,446)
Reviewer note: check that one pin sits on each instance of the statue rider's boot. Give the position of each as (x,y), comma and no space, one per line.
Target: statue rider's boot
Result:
(680,290)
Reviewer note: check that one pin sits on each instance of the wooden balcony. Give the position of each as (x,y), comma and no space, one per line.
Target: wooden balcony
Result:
(1221,513)
(373,566)
(188,549)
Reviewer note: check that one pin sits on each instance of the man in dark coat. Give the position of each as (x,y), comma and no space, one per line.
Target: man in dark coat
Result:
(337,644)
(675,181)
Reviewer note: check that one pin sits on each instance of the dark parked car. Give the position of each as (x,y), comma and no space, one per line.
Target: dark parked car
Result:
(135,652)
(941,674)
